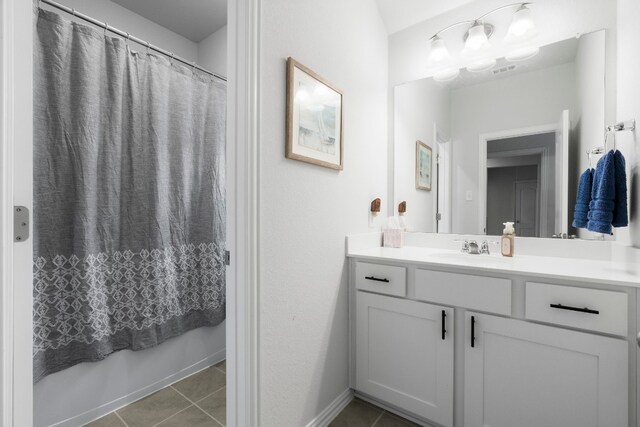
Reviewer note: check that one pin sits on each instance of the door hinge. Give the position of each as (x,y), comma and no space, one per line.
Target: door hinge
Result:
(20,224)
(227,258)
(438,216)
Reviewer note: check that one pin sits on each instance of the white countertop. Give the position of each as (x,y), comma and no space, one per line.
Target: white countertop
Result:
(584,270)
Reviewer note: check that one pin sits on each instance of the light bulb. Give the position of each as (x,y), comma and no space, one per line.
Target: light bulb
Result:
(476,38)
(522,26)
(438,51)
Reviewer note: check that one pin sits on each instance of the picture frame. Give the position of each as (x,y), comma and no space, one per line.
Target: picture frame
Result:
(314,118)
(424,166)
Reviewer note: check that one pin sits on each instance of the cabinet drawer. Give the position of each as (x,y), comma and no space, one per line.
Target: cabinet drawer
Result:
(383,279)
(592,309)
(489,294)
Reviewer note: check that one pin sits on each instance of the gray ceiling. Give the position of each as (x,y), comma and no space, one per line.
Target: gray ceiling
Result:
(193,19)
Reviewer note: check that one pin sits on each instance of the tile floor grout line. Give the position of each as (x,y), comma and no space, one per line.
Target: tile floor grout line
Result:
(120,418)
(196,405)
(173,415)
(189,400)
(214,418)
(211,394)
(378,419)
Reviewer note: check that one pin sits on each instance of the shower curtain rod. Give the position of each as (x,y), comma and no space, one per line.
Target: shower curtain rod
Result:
(127,36)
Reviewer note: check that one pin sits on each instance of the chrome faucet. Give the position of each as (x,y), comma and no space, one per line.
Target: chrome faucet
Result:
(465,247)
(484,248)
(473,248)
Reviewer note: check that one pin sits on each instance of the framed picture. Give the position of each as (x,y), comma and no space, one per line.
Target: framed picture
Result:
(423,166)
(314,118)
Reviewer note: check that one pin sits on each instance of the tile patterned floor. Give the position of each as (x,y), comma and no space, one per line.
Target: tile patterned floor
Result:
(200,401)
(359,413)
(197,401)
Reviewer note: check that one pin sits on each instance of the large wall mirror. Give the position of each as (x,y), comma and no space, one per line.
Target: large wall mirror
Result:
(508,143)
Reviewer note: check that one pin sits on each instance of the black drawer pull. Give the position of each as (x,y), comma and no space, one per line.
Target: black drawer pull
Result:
(473,331)
(444,318)
(567,307)
(375,279)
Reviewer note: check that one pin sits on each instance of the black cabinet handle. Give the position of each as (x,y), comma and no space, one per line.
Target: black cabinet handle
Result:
(473,331)
(444,330)
(567,307)
(375,279)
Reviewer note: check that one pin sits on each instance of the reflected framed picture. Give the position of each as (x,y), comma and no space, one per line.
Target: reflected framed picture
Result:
(423,166)
(314,118)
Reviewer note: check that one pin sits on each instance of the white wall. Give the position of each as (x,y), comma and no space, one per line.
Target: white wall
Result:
(306,210)
(212,52)
(589,117)
(628,103)
(417,107)
(124,375)
(125,20)
(523,100)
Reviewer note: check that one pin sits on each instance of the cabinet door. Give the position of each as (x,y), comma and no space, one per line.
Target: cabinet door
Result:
(528,375)
(403,357)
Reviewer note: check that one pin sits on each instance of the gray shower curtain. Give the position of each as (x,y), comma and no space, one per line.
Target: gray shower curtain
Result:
(129,197)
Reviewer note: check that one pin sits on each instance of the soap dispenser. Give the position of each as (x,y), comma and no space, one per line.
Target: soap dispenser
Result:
(507,240)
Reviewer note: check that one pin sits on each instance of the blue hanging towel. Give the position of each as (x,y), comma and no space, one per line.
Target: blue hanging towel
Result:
(603,196)
(620,214)
(584,198)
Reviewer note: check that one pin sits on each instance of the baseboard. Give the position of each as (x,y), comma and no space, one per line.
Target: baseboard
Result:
(94,414)
(332,411)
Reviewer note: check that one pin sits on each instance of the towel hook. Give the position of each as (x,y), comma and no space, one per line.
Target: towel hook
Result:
(606,139)
(73,12)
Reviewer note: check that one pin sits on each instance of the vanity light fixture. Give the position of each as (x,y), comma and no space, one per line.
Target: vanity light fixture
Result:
(522,26)
(476,54)
(476,38)
(439,51)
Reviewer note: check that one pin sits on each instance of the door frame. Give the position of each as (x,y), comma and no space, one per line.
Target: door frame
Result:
(243,128)
(443,189)
(16,177)
(483,139)
(16,135)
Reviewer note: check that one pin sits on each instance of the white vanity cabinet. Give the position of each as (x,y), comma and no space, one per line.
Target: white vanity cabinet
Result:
(457,347)
(404,354)
(524,374)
